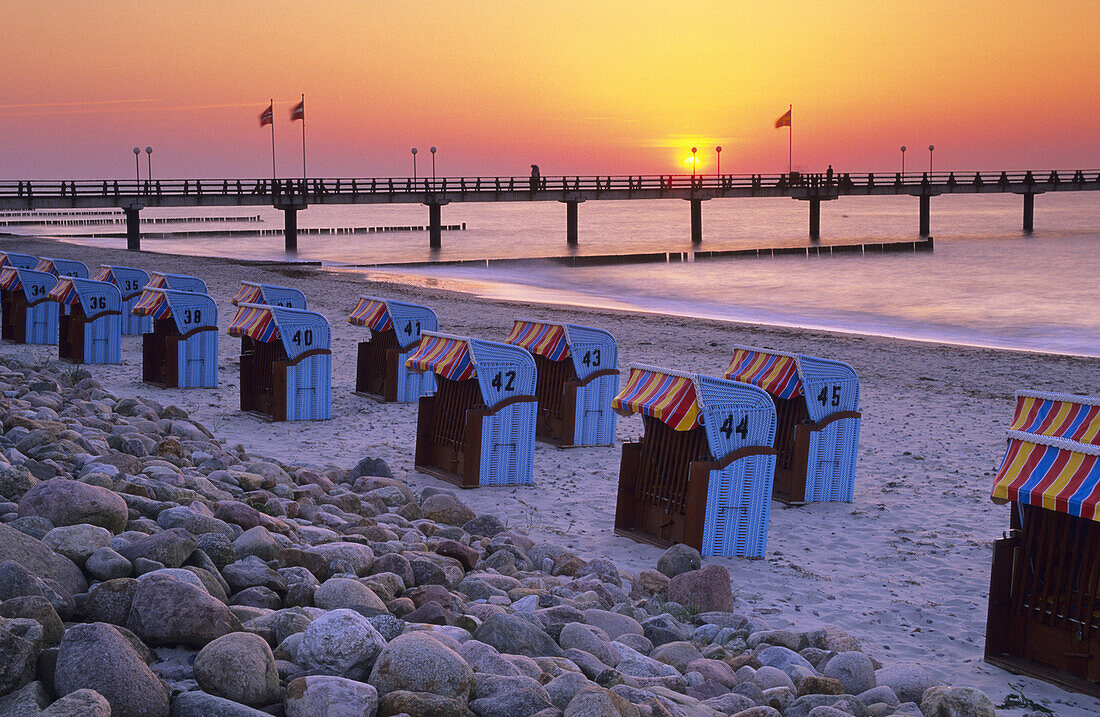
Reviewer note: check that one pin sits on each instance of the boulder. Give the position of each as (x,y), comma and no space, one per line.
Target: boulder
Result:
(446,508)
(679,559)
(36,557)
(327,696)
(27,700)
(336,593)
(421,704)
(106,564)
(202,704)
(515,636)
(598,702)
(418,662)
(168,611)
(519,696)
(908,680)
(69,502)
(41,611)
(956,702)
(239,667)
(77,542)
(21,641)
(82,703)
(170,548)
(854,670)
(340,643)
(704,590)
(98,657)
(359,556)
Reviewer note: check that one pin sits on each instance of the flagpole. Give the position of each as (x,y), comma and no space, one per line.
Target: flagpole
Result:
(790,139)
(272,107)
(303,138)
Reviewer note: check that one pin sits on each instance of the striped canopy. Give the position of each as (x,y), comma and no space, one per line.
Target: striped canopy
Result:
(105,274)
(547,340)
(157,281)
(153,304)
(64,291)
(256,322)
(1051,473)
(248,294)
(1075,418)
(668,396)
(775,373)
(445,356)
(371,313)
(9,278)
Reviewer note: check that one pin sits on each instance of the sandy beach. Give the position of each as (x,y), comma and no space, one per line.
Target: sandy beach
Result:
(904,568)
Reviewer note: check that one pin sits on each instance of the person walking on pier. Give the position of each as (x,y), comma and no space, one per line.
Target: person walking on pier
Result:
(829,176)
(534,177)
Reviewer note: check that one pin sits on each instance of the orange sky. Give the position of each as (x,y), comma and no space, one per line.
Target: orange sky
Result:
(577,87)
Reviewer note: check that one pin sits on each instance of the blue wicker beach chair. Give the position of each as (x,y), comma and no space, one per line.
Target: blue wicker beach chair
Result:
(817,406)
(62,267)
(182,349)
(91,331)
(395,328)
(702,472)
(253,293)
(29,317)
(479,427)
(12,258)
(1044,592)
(286,362)
(578,376)
(130,282)
(176,282)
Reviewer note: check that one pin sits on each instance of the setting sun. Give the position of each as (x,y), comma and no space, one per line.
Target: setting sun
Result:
(693,162)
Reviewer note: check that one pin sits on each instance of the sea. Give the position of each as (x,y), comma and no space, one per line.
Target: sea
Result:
(985,284)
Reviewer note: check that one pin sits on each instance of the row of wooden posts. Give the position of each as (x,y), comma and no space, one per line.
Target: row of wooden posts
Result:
(713,454)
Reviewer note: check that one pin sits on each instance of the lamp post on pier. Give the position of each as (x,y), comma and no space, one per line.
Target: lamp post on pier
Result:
(432,150)
(930,148)
(718,151)
(414,163)
(903,163)
(149,158)
(137,165)
(693,161)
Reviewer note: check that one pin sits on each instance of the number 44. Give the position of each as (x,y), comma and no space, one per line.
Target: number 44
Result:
(742,429)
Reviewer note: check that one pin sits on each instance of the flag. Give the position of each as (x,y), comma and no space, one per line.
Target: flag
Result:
(298,112)
(266,115)
(784,121)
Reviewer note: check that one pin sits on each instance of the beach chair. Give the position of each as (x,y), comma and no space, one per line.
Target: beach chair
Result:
(817,407)
(702,473)
(182,349)
(62,267)
(1044,586)
(478,428)
(253,293)
(578,376)
(395,329)
(12,258)
(130,283)
(286,362)
(91,330)
(176,282)
(29,317)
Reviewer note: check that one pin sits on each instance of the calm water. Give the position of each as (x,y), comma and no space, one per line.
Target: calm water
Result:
(985,284)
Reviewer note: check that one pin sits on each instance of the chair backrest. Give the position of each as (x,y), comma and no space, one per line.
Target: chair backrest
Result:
(589,349)
(35,285)
(12,258)
(129,280)
(255,293)
(299,331)
(827,386)
(96,298)
(408,321)
(502,371)
(176,282)
(62,267)
(190,310)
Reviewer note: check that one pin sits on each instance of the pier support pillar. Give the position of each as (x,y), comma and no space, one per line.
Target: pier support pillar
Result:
(815,219)
(133,228)
(696,221)
(571,223)
(925,215)
(435,226)
(1029,212)
(290,228)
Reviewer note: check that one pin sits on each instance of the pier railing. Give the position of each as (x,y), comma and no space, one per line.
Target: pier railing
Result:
(402,189)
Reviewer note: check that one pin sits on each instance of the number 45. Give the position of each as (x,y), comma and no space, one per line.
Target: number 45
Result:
(823,397)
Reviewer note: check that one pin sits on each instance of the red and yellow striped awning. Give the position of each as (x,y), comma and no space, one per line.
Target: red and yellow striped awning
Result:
(153,304)
(9,278)
(1051,473)
(104,274)
(248,294)
(665,395)
(445,356)
(255,322)
(371,313)
(775,373)
(547,340)
(64,291)
(1074,418)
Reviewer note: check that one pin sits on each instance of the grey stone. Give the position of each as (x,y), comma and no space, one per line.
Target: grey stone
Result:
(516,636)
(341,643)
(485,658)
(168,611)
(36,557)
(613,623)
(256,541)
(704,590)
(956,702)
(239,667)
(70,502)
(564,687)
(599,702)
(97,656)
(508,696)
(336,593)
(106,564)
(21,640)
(252,572)
(417,662)
(908,680)
(581,637)
(82,703)
(359,556)
(169,547)
(193,522)
(27,700)
(679,559)
(201,704)
(41,611)
(802,706)
(77,542)
(854,670)
(327,696)
(110,601)
(446,508)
